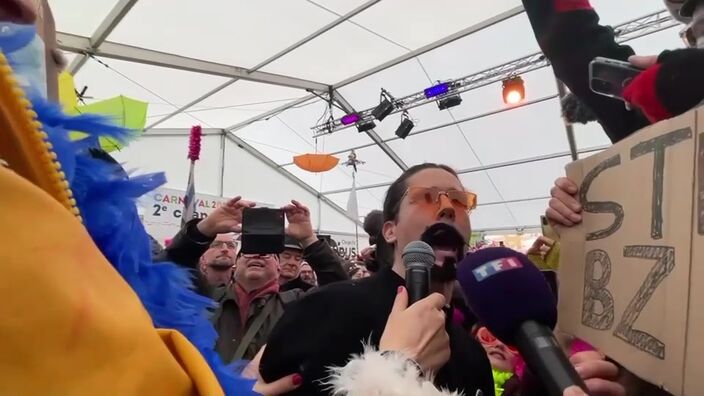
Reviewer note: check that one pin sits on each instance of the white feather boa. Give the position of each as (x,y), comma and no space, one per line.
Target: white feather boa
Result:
(375,374)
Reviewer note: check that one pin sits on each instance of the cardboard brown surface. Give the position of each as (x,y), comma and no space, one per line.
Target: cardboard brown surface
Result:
(634,309)
(694,361)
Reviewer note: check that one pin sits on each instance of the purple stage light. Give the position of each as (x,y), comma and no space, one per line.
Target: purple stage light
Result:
(349,119)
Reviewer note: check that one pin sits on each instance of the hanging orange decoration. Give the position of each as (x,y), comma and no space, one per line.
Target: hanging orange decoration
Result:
(316,162)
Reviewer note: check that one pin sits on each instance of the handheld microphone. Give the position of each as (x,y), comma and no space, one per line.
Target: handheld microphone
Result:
(512,298)
(419,258)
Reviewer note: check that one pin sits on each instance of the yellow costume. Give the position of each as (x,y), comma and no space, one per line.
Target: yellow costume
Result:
(72,320)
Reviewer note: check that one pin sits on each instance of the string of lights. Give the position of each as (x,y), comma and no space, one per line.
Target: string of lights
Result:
(447,93)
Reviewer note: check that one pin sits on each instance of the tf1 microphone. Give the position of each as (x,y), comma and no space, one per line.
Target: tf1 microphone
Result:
(512,298)
(419,258)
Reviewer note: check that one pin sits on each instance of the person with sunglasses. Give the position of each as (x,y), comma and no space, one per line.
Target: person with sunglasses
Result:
(427,202)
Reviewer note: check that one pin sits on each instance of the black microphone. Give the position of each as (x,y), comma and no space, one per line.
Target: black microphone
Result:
(419,258)
(512,298)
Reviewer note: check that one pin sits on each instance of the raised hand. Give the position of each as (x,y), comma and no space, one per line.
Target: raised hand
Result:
(227,218)
(299,223)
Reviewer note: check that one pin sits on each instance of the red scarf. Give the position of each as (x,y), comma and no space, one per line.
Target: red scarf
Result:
(245,298)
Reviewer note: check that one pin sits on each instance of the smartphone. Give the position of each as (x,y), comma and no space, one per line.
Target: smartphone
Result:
(262,231)
(609,77)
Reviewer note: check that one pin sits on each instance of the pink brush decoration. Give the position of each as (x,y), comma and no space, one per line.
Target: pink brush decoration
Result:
(194,143)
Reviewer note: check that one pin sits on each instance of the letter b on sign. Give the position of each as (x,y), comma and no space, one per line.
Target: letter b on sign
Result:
(598,304)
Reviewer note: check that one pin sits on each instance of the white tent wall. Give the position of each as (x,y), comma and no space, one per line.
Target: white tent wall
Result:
(166,151)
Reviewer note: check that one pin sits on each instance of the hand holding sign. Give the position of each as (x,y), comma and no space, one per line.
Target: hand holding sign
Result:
(598,374)
(564,209)
(227,218)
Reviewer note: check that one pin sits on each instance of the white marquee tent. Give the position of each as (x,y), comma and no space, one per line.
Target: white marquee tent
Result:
(244,69)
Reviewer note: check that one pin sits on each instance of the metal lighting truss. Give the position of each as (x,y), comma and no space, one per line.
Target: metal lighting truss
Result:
(636,28)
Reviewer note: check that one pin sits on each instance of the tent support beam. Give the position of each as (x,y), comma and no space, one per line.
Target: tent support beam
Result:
(270,113)
(103,31)
(316,34)
(569,129)
(271,59)
(437,44)
(371,133)
(82,45)
(264,159)
(484,168)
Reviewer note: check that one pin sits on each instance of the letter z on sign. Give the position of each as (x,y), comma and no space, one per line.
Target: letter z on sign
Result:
(494,267)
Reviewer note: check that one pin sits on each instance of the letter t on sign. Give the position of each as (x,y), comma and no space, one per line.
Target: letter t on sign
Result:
(657,146)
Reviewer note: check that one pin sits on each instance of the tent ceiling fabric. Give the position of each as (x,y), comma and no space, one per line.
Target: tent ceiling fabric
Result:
(508,156)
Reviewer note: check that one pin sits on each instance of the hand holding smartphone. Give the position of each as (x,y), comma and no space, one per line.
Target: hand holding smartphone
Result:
(609,77)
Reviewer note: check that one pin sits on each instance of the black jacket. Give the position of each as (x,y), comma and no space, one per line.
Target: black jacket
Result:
(297,283)
(571,40)
(189,244)
(329,324)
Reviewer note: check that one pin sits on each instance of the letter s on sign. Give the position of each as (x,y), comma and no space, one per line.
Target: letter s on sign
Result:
(601,207)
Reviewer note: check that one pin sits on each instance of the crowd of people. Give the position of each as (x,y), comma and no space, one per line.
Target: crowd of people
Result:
(301,321)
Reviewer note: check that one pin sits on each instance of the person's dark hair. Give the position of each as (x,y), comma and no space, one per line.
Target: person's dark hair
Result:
(372,225)
(392,205)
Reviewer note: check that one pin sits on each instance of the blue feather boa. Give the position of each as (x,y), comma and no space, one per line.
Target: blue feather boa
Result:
(106,198)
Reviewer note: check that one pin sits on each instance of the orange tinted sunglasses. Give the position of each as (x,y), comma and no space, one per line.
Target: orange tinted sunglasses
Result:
(486,338)
(431,195)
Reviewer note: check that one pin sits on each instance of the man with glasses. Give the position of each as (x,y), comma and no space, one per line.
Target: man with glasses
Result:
(218,262)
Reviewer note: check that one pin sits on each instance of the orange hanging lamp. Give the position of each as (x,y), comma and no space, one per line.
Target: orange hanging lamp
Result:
(316,162)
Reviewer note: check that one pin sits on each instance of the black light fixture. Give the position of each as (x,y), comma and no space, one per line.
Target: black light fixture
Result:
(513,90)
(385,107)
(365,125)
(405,127)
(449,101)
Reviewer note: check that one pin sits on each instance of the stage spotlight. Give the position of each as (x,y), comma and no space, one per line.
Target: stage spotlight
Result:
(406,125)
(437,90)
(449,101)
(365,125)
(385,107)
(350,119)
(514,90)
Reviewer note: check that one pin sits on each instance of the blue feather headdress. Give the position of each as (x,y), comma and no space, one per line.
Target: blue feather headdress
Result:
(106,197)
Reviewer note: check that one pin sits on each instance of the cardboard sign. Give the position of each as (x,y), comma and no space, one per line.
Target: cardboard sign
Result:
(631,274)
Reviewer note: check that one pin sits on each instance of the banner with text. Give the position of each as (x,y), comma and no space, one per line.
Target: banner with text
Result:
(345,245)
(629,272)
(161,211)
